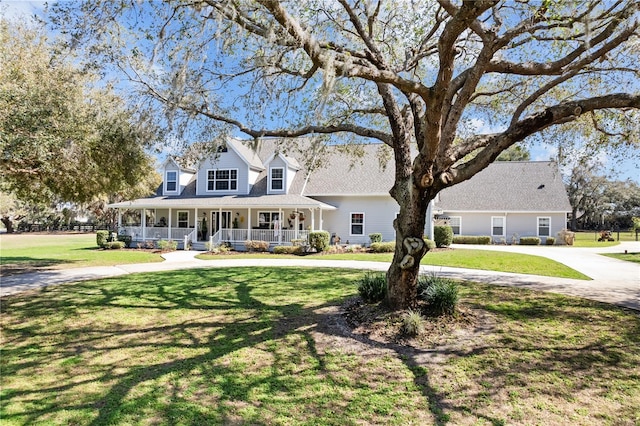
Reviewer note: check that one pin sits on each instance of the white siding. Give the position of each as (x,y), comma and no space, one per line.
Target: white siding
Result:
(379,212)
(517,224)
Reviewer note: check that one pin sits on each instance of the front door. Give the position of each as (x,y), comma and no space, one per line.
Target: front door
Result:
(220,220)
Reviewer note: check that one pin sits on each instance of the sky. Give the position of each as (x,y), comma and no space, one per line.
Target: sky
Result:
(622,169)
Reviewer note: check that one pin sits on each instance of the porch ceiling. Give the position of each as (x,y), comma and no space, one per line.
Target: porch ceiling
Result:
(230,201)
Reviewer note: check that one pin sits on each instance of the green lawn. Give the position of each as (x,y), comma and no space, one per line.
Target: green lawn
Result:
(629,257)
(27,252)
(590,239)
(473,259)
(254,346)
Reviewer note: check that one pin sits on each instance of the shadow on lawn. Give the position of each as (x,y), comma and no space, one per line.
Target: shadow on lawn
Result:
(239,346)
(12,265)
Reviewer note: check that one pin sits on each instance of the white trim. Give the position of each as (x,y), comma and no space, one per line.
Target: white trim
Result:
(207,180)
(178,225)
(351,223)
(459,224)
(504,226)
(176,181)
(538,226)
(283,179)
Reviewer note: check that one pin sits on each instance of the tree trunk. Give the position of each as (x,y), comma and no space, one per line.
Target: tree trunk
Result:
(402,275)
(8,223)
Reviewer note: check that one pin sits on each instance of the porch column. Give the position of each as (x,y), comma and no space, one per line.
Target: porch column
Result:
(249,223)
(313,219)
(218,224)
(321,224)
(280,226)
(169,229)
(195,226)
(297,224)
(144,224)
(119,220)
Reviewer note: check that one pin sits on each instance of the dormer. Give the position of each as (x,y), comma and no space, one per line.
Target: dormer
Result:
(175,178)
(281,170)
(232,171)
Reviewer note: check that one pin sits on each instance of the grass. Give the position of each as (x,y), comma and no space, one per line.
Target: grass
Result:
(251,346)
(472,259)
(590,238)
(629,257)
(27,252)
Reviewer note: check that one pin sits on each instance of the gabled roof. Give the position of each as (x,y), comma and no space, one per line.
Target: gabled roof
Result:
(247,154)
(509,186)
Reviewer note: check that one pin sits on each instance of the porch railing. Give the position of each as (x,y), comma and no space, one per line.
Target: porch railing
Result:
(270,235)
(156,233)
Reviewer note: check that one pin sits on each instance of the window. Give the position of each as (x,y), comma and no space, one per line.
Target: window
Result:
(171,181)
(357,224)
(183,219)
(455,223)
(497,226)
(267,219)
(277,179)
(222,180)
(544,226)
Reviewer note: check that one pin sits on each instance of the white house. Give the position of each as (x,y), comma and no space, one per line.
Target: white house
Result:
(268,194)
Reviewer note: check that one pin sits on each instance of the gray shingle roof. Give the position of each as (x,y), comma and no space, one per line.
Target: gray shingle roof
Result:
(517,186)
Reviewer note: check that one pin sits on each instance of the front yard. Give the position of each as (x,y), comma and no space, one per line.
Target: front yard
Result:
(269,346)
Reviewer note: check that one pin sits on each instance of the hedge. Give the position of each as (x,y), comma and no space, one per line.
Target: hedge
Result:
(319,240)
(471,239)
(102,237)
(288,250)
(256,245)
(529,241)
(387,247)
(443,236)
(550,241)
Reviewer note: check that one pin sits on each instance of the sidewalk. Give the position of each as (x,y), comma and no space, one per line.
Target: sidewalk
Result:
(614,281)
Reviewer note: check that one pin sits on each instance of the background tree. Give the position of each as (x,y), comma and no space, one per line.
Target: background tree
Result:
(415,75)
(12,210)
(61,139)
(515,153)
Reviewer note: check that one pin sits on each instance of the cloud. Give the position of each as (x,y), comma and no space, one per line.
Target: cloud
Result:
(15,9)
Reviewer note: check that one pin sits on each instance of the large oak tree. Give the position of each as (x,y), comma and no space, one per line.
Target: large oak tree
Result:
(415,75)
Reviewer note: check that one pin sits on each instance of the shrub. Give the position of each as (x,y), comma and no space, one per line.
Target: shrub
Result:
(101,238)
(412,323)
(319,240)
(387,247)
(567,237)
(550,241)
(443,236)
(440,293)
(299,242)
(167,245)
(373,287)
(529,241)
(126,239)
(256,245)
(375,237)
(114,245)
(354,248)
(429,243)
(288,250)
(471,239)
(217,248)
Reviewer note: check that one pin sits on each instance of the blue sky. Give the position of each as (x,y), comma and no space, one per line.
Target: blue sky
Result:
(625,169)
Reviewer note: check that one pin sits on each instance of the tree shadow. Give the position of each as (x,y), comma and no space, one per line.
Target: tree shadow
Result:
(12,265)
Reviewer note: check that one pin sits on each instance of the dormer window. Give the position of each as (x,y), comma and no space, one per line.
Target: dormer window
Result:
(222,180)
(277,179)
(171,182)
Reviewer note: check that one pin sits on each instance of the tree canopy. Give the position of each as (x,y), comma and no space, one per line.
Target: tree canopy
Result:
(61,137)
(448,85)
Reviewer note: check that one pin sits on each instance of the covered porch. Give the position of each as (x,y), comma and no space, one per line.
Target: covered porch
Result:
(222,220)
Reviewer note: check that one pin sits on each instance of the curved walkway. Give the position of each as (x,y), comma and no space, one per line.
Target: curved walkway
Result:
(613,281)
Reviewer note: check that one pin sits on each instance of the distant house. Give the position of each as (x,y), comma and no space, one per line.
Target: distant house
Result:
(267,194)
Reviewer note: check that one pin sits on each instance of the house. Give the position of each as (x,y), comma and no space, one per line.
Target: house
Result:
(279,194)
(507,200)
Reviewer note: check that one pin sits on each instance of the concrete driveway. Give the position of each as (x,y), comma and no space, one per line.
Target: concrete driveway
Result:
(613,281)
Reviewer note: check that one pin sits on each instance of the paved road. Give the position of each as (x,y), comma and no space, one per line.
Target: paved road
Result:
(613,281)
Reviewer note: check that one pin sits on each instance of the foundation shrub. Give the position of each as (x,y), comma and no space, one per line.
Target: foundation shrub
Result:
(471,239)
(443,236)
(102,237)
(529,241)
(319,240)
(375,237)
(288,250)
(379,247)
(256,245)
